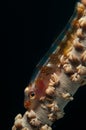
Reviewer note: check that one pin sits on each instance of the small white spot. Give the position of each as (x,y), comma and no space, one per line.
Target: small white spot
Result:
(49,65)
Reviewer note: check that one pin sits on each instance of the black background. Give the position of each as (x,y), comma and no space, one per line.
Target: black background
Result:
(28,32)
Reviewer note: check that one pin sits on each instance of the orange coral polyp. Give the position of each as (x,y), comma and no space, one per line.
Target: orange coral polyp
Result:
(84,2)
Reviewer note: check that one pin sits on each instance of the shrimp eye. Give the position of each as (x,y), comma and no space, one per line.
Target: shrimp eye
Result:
(32,95)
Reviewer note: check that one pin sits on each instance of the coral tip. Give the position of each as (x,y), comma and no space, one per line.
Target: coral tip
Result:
(84,2)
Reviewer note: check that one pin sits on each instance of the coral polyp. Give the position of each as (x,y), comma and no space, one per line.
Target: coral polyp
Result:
(62,72)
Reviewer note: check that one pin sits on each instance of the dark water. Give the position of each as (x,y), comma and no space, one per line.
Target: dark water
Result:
(32,28)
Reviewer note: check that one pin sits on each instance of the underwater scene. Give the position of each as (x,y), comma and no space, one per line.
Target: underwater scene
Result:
(47,66)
